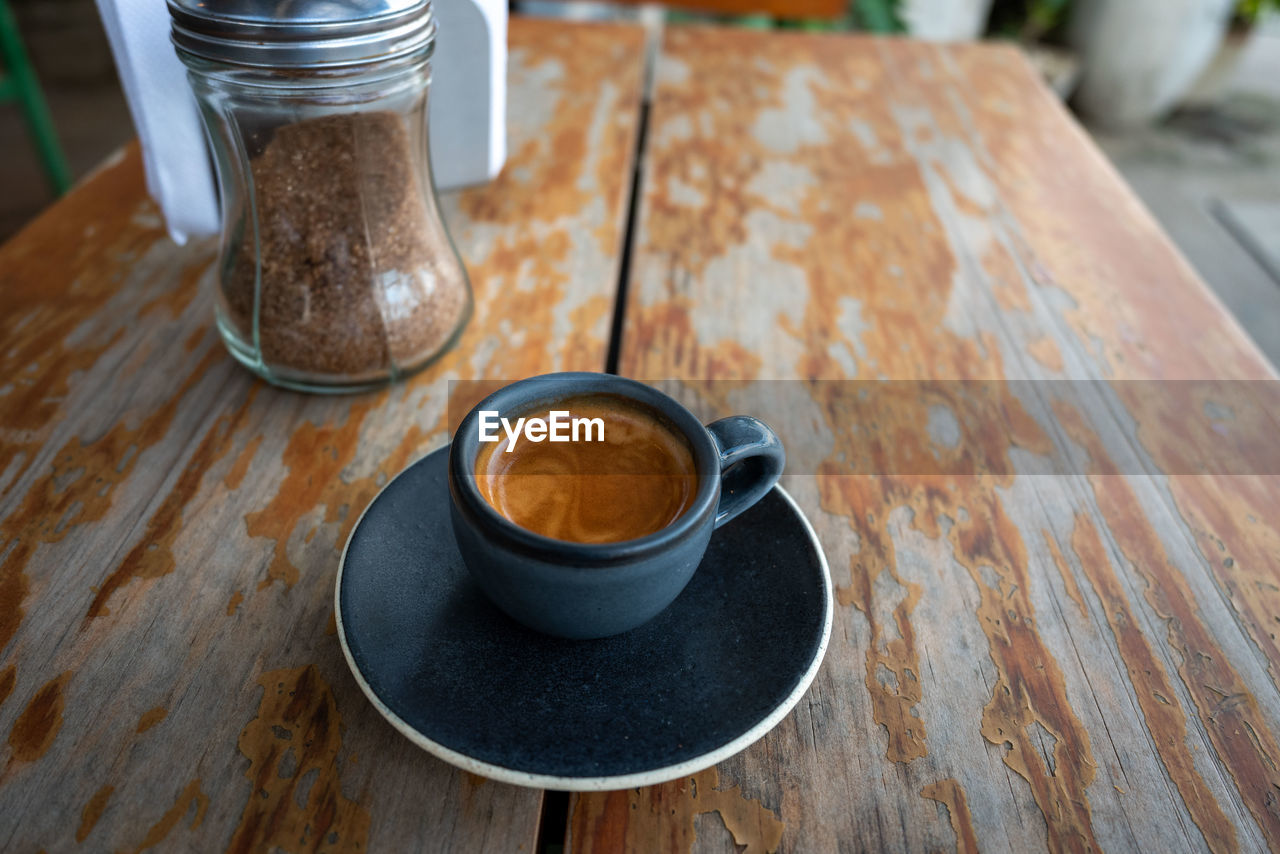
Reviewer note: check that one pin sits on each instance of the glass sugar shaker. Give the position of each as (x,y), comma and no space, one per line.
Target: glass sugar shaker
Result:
(336,272)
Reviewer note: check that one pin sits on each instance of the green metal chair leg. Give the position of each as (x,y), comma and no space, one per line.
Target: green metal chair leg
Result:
(20,85)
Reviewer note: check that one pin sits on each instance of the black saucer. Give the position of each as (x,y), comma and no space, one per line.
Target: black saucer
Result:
(703,680)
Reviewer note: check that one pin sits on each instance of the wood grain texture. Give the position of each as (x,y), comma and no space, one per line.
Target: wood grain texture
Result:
(170,527)
(1020,661)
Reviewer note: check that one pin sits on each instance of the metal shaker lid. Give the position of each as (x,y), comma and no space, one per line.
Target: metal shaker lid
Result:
(301,33)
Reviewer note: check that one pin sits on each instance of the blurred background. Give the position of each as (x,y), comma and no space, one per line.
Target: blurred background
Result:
(1182,95)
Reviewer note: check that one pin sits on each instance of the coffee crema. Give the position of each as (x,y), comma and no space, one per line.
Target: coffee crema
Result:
(636,482)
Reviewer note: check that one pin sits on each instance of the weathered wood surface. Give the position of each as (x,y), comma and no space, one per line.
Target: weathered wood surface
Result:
(169,674)
(1073,662)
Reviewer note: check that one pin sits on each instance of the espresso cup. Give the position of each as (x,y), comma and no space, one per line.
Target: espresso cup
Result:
(597,589)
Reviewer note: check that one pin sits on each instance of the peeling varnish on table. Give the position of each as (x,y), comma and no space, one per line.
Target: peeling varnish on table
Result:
(1031,689)
(951,795)
(79,490)
(1064,570)
(8,678)
(1164,717)
(190,801)
(37,362)
(152,557)
(150,718)
(1205,435)
(863,202)
(1177,331)
(1231,716)
(93,811)
(315,459)
(36,728)
(39,365)
(292,746)
(640,819)
(903,334)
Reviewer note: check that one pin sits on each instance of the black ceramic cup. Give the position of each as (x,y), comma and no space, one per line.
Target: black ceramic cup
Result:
(593,590)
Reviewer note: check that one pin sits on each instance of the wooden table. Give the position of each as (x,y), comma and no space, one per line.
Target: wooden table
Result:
(1020,661)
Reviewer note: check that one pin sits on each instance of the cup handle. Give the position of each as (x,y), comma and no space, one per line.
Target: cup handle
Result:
(751,459)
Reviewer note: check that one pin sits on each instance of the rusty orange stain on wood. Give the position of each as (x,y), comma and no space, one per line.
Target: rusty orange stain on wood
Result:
(524,316)
(1209,436)
(92,812)
(661,817)
(235,476)
(1234,522)
(79,489)
(38,725)
(866,502)
(1097,243)
(234,602)
(1005,279)
(37,317)
(902,298)
(297,716)
(14,585)
(1030,689)
(951,795)
(1235,725)
(97,224)
(664,334)
(1045,351)
(162,828)
(152,556)
(13,588)
(314,458)
(1160,706)
(8,678)
(1092,236)
(616,155)
(1068,577)
(581,345)
(34,320)
(151,717)
(38,314)
(706,143)
(892,703)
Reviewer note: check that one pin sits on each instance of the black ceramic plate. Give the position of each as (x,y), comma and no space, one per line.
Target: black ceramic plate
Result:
(700,682)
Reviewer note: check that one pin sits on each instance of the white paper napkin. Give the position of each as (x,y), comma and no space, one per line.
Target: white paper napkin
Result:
(179,173)
(468,109)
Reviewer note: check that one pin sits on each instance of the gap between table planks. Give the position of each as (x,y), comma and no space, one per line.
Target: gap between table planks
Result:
(1075,662)
(170,527)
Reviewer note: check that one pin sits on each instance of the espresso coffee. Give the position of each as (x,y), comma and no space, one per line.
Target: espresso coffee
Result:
(635,480)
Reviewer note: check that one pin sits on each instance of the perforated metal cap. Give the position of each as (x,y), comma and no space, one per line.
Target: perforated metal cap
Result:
(301,33)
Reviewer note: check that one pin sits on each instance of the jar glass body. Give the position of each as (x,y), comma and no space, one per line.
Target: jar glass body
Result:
(336,272)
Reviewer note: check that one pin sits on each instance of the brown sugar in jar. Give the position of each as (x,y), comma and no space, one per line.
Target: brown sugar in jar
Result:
(349,284)
(336,271)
